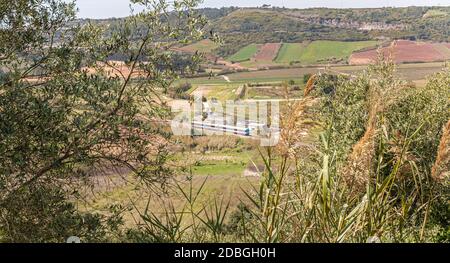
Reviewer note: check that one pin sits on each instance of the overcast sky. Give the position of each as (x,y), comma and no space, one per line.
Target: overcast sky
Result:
(120,8)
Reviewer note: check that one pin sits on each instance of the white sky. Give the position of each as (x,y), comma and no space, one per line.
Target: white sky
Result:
(120,8)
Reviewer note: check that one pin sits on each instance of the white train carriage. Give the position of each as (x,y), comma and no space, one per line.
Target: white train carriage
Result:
(243,131)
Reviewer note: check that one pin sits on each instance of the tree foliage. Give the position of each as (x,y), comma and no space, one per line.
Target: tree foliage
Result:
(67,111)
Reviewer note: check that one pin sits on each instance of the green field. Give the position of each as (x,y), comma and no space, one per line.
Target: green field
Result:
(322,51)
(245,53)
(222,92)
(290,52)
(316,52)
(215,168)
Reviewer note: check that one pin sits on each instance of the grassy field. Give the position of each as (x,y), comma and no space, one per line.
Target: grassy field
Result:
(307,53)
(203,46)
(214,168)
(134,195)
(221,92)
(228,91)
(435,13)
(290,52)
(274,92)
(245,53)
(322,51)
(413,72)
(222,171)
(272,75)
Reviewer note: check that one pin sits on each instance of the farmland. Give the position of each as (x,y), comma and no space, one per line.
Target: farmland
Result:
(203,46)
(227,169)
(290,52)
(338,52)
(267,52)
(245,53)
(328,51)
(412,71)
(308,53)
(406,51)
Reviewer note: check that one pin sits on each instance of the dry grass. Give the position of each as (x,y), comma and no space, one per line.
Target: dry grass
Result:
(310,85)
(441,168)
(384,92)
(356,172)
(295,127)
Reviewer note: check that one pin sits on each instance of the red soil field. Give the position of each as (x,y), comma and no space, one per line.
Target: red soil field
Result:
(403,51)
(268,52)
(404,43)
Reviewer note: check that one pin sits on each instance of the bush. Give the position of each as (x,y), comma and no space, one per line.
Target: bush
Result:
(182,88)
(41,213)
(306,77)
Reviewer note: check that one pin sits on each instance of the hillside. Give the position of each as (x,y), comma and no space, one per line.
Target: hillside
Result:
(249,25)
(239,27)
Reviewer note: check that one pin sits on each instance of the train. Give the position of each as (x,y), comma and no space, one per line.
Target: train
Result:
(221,128)
(247,129)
